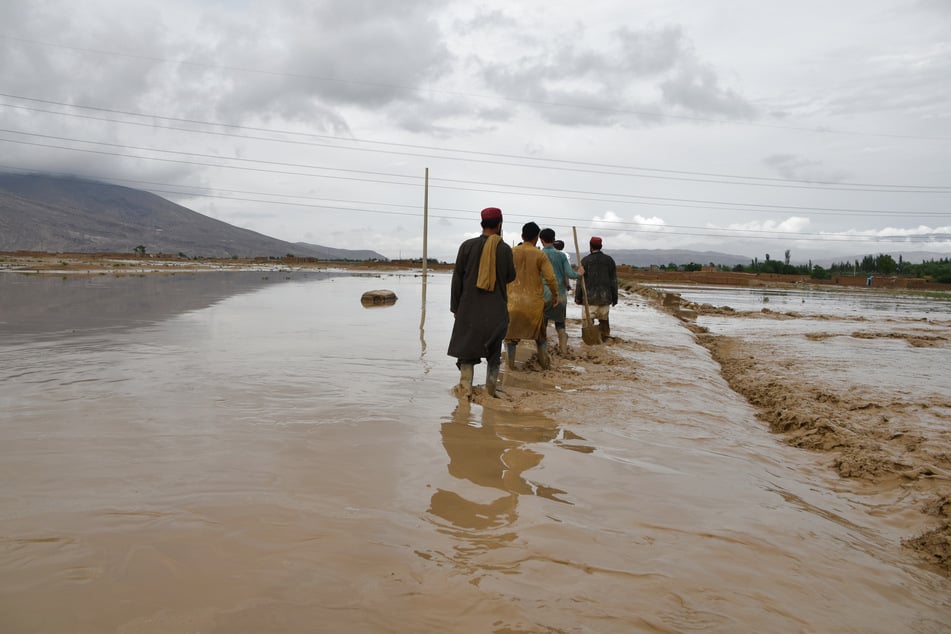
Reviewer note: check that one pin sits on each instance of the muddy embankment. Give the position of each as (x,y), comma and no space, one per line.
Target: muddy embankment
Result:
(873,439)
(753,280)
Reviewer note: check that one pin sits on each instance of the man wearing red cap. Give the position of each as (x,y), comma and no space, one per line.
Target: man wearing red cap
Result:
(600,280)
(479,301)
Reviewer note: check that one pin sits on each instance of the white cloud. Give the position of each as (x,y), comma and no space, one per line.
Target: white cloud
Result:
(793,224)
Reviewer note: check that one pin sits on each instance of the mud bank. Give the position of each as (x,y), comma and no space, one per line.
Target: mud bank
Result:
(885,438)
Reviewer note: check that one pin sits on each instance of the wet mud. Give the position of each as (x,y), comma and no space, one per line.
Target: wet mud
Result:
(886,437)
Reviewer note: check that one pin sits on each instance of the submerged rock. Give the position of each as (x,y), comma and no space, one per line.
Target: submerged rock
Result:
(381,297)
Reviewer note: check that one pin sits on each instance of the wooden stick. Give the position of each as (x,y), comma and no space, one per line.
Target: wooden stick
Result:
(584,289)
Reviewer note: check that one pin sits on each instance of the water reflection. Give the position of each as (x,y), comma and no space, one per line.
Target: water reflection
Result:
(46,305)
(422,323)
(491,451)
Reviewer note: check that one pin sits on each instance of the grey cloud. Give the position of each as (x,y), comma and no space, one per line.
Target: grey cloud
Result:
(299,60)
(697,89)
(940,7)
(425,117)
(368,53)
(84,71)
(919,85)
(494,114)
(650,52)
(639,72)
(484,20)
(796,167)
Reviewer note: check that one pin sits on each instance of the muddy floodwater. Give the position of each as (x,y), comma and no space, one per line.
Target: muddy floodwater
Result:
(249,452)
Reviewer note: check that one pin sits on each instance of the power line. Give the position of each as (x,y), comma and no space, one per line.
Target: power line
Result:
(468,95)
(513,189)
(550,164)
(667,229)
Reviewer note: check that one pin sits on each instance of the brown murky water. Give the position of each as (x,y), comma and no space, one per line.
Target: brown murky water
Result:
(228,453)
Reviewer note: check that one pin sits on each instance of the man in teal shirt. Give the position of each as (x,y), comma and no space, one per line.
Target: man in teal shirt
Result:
(563,272)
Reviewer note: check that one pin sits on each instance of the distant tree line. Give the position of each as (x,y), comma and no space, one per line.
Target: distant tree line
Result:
(937,270)
(882,264)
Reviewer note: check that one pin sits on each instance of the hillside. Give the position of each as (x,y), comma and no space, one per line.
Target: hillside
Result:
(658,257)
(57,214)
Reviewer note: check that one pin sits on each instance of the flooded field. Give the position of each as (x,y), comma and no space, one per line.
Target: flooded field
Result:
(257,452)
(820,300)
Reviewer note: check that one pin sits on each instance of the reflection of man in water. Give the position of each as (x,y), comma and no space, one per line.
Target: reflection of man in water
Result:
(492,455)
(479,301)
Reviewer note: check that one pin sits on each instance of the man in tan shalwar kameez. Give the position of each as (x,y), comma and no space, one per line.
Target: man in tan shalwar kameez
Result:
(526,300)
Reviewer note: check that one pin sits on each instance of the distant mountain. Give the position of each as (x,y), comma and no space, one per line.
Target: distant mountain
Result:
(330,253)
(647,257)
(59,215)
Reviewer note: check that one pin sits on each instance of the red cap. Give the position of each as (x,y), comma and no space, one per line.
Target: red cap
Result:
(595,242)
(491,213)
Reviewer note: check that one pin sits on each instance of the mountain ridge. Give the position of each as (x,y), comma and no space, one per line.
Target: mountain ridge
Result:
(57,214)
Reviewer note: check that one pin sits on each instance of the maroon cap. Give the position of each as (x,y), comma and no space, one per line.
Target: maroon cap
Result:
(491,213)
(595,242)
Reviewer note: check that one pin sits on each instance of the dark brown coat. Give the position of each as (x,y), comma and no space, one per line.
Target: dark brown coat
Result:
(481,316)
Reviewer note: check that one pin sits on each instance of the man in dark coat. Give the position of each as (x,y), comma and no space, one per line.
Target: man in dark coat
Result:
(479,301)
(600,280)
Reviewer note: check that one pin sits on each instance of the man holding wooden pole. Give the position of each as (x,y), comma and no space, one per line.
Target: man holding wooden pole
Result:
(600,279)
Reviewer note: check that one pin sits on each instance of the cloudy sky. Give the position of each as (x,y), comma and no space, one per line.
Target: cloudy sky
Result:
(742,126)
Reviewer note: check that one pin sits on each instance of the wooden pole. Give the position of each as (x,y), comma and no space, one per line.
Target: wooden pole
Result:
(422,312)
(590,334)
(426,225)
(584,289)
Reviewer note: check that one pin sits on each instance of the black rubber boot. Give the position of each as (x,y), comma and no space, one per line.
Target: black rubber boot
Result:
(543,359)
(491,380)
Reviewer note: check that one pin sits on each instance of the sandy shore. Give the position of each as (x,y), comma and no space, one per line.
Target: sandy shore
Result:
(73,264)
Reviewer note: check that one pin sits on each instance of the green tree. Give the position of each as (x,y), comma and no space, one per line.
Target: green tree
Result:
(885,264)
(140,250)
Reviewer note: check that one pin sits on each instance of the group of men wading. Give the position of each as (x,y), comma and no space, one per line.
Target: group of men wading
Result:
(500,293)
